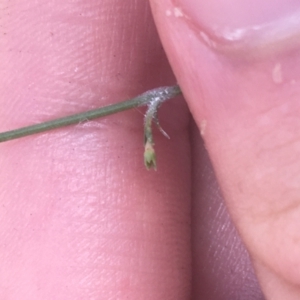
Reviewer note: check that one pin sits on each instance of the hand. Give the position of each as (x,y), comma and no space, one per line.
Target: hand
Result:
(82,218)
(241,89)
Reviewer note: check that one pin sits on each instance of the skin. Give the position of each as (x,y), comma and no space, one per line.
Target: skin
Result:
(81,218)
(249,111)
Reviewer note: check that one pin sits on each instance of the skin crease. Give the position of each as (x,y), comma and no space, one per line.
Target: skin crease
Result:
(80,216)
(252,132)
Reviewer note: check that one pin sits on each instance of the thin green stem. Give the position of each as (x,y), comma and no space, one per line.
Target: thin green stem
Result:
(141,100)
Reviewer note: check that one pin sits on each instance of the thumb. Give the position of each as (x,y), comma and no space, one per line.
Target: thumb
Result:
(238,65)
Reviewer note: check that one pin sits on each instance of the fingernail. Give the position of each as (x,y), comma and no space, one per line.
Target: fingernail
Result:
(249,29)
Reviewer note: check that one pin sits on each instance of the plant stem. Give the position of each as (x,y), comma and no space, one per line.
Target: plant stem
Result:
(164,93)
(151,115)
